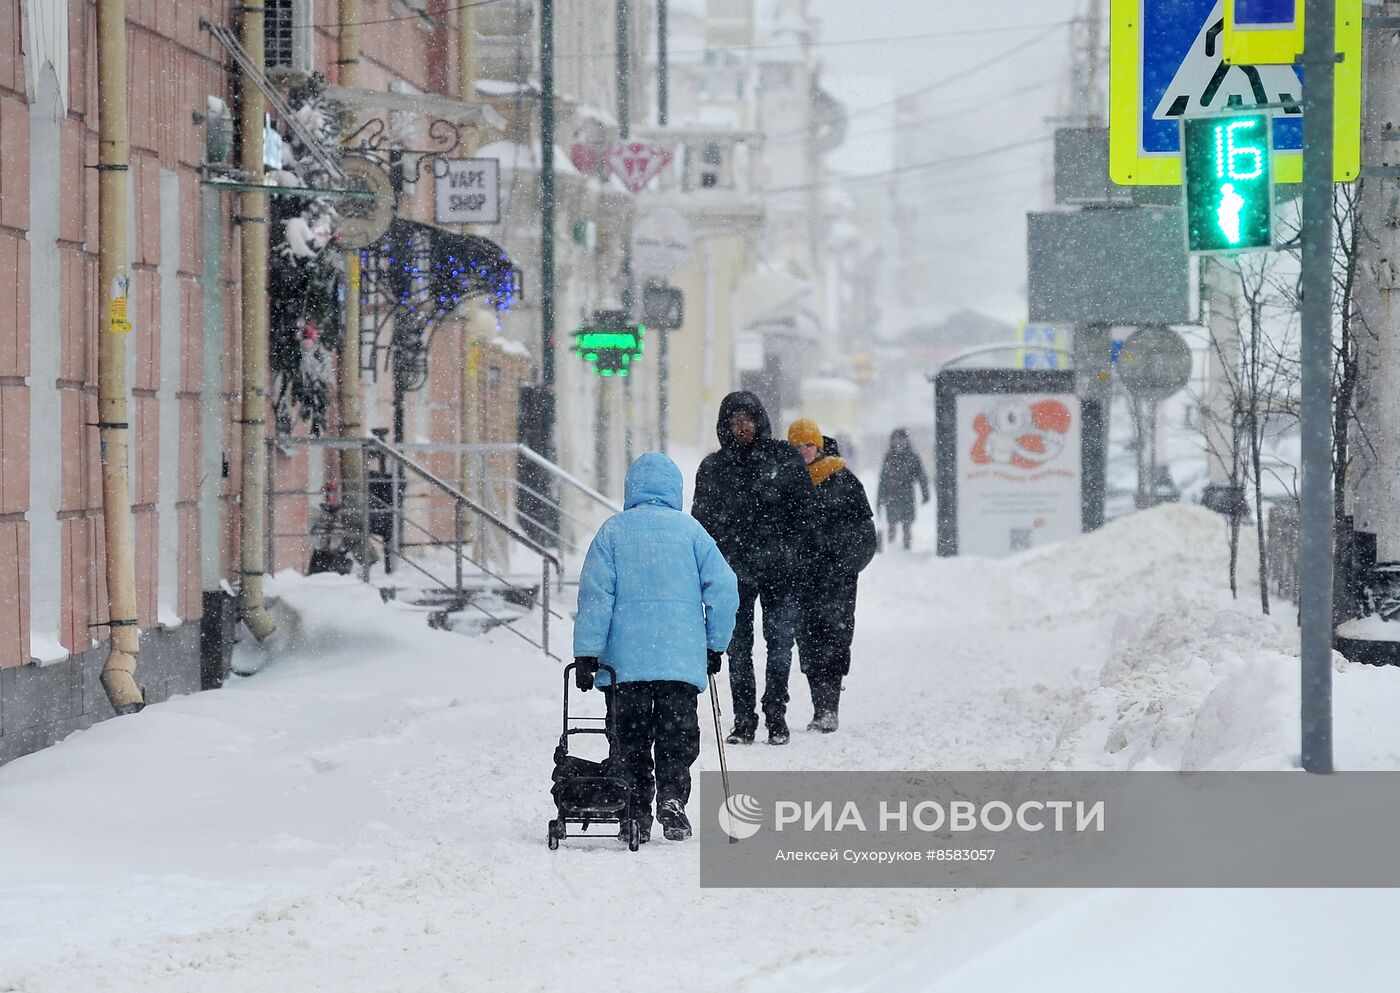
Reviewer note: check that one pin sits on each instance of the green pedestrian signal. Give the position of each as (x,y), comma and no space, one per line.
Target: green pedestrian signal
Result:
(1229,183)
(610,344)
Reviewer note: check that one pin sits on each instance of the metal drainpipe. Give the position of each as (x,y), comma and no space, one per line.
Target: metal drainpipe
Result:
(118,672)
(253,245)
(348,386)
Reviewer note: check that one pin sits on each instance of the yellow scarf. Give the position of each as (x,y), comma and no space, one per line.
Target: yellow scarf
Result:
(824,468)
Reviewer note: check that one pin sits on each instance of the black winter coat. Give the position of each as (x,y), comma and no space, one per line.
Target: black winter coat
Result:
(845,540)
(755,500)
(901,469)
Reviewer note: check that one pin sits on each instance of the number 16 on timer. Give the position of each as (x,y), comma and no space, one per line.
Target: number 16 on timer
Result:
(1229,183)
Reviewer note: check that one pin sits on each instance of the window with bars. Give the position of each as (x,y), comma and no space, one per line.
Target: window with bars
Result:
(287,37)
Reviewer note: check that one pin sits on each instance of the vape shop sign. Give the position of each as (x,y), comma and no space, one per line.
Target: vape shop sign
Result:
(468,191)
(1018,463)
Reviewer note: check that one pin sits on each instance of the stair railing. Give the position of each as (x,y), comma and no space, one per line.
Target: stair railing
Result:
(372,517)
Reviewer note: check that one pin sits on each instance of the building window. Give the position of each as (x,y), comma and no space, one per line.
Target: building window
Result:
(710,165)
(288,41)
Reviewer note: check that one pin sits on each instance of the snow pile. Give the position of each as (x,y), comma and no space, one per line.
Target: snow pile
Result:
(1191,678)
(1188,686)
(368,811)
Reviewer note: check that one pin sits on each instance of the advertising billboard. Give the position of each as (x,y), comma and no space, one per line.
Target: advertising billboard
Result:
(1018,460)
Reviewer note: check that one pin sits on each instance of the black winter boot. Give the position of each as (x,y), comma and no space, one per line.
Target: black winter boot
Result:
(675,826)
(778,733)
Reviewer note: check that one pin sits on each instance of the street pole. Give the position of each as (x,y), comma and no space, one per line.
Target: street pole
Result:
(624,70)
(547,448)
(624,130)
(662,82)
(1223,494)
(1375,455)
(663,358)
(1315,529)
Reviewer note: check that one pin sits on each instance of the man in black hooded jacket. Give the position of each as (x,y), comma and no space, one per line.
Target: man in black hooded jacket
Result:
(753,497)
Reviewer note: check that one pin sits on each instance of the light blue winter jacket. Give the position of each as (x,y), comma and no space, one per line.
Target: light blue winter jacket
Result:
(655,591)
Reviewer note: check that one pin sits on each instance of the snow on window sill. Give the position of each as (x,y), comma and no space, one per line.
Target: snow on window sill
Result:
(46,650)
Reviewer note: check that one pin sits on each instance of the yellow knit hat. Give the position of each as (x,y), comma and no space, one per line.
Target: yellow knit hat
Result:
(805,432)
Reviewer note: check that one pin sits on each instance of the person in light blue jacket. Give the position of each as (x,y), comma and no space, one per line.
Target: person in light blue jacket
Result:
(656,601)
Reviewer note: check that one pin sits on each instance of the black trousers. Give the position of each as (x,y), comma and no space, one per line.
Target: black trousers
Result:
(779,632)
(827,624)
(655,717)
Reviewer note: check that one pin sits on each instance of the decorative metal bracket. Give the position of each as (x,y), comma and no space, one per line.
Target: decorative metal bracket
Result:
(372,139)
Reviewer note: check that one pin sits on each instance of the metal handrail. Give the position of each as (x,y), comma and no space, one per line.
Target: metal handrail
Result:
(516,448)
(500,621)
(404,464)
(389,451)
(436,542)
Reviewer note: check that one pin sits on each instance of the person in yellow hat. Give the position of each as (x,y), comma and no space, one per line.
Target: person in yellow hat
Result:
(843,544)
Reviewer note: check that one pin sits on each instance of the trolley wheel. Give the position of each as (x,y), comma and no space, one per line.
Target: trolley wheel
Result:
(556,831)
(634,835)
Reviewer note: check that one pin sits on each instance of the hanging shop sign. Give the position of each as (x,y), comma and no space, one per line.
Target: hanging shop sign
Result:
(468,191)
(637,163)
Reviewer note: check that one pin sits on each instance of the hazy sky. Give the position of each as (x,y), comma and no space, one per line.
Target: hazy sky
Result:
(975,100)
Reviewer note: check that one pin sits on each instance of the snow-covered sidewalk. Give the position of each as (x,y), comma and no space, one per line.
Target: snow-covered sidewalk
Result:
(368,811)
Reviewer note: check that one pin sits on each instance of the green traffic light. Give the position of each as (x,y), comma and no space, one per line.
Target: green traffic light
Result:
(1228,179)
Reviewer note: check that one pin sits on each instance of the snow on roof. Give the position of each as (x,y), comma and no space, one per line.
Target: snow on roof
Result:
(510,347)
(516,156)
(591,113)
(502,87)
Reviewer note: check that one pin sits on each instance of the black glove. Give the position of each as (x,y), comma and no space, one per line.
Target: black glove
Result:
(586,669)
(715,658)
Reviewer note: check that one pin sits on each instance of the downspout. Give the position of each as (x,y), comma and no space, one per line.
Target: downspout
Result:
(471,334)
(348,388)
(118,672)
(253,283)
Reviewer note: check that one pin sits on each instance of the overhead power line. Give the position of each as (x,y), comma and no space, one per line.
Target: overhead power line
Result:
(422,15)
(913,167)
(938,84)
(838,43)
(989,101)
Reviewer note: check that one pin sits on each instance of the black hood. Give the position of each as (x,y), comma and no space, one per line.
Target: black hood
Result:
(730,405)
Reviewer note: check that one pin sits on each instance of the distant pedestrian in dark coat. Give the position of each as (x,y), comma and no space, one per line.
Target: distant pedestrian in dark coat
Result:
(753,497)
(842,543)
(900,470)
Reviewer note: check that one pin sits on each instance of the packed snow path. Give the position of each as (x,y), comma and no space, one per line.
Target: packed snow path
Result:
(368,812)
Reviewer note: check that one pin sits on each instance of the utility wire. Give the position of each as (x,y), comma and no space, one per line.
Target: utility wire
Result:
(942,116)
(939,83)
(885,39)
(422,15)
(914,167)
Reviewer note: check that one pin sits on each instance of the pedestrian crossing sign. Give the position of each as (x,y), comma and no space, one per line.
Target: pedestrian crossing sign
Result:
(1167,63)
(1259,32)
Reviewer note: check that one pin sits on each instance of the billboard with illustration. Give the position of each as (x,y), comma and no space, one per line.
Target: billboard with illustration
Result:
(1018,460)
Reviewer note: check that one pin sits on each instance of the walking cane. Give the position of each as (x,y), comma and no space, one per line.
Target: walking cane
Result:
(719,743)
